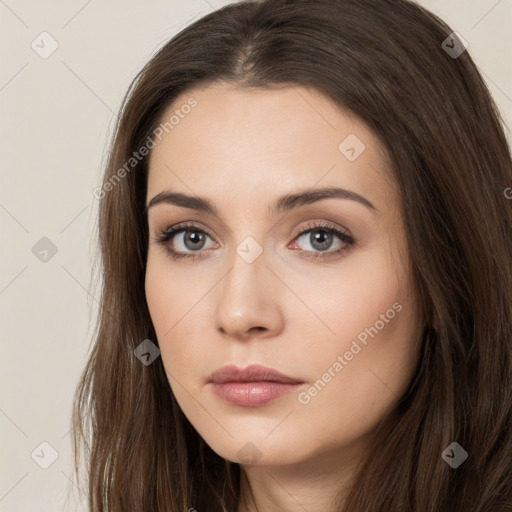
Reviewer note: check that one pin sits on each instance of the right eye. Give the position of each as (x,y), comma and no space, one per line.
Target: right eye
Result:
(187,237)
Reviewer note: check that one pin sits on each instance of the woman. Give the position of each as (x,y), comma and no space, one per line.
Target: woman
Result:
(342,338)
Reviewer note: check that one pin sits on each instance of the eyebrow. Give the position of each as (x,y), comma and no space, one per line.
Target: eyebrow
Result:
(283,204)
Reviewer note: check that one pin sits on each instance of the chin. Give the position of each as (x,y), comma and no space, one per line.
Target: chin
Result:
(257,451)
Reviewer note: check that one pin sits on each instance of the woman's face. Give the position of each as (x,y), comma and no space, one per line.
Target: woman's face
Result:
(278,273)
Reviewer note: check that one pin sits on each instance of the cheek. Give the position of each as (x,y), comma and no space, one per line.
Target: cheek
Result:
(170,292)
(157,287)
(350,299)
(168,310)
(373,321)
(169,300)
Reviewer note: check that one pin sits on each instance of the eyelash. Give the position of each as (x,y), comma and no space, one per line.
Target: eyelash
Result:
(166,235)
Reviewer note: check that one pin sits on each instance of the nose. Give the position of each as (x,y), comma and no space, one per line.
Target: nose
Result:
(248,301)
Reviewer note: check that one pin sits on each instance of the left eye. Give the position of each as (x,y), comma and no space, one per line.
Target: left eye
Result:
(321,238)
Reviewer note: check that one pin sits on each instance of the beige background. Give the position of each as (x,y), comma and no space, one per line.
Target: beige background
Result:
(56,119)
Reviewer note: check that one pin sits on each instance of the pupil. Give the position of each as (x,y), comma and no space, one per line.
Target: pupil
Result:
(320,240)
(195,238)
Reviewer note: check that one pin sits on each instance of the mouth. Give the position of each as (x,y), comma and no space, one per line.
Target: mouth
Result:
(252,386)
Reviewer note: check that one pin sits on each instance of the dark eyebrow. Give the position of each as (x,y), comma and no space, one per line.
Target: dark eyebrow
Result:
(283,204)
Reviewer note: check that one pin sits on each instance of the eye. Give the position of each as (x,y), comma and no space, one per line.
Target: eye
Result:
(320,237)
(187,237)
(190,241)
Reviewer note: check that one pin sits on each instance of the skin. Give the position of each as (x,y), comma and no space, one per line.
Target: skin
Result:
(241,149)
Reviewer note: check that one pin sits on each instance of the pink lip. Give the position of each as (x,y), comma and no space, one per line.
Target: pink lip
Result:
(252,386)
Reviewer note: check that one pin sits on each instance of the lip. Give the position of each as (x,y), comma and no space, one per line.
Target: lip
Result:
(252,386)
(252,373)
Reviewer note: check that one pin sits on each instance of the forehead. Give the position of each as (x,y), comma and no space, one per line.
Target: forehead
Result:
(253,141)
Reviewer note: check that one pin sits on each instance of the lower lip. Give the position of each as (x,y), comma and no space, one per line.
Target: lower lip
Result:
(252,394)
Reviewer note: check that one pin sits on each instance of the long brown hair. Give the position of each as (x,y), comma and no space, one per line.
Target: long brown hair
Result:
(385,62)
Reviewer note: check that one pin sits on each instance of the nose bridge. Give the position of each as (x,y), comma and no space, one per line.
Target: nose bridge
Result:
(245,299)
(240,290)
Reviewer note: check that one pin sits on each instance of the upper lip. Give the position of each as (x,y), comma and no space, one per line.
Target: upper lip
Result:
(252,373)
